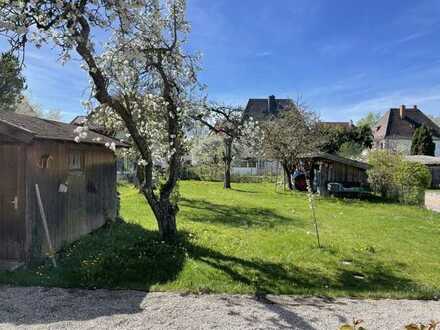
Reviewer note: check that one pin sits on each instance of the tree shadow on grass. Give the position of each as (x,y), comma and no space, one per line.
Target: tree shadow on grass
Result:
(126,256)
(246,191)
(234,216)
(263,277)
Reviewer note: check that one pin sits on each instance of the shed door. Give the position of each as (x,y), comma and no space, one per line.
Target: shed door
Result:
(11,203)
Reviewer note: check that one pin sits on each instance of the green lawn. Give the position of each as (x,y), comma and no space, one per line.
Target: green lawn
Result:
(254,240)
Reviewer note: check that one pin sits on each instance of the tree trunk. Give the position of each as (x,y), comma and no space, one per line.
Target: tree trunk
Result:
(140,175)
(165,213)
(287,173)
(227,160)
(227,178)
(167,221)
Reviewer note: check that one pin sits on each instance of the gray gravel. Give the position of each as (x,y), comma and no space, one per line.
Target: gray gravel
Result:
(45,308)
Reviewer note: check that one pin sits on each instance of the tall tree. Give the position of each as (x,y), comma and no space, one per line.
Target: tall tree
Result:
(290,136)
(422,143)
(339,140)
(141,77)
(12,82)
(229,123)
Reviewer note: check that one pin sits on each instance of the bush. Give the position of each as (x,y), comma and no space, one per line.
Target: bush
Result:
(202,173)
(189,173)
(216,174)
(252,178)
(412,179)
(381,174)
(394,178)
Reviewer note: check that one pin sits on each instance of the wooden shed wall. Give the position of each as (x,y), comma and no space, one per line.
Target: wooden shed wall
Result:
(331,171)
(89,200)
(339,172)
(12,189)
(435,171)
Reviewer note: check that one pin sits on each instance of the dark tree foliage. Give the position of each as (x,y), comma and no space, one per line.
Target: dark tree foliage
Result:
(12,82)
(334,138)
(422,143)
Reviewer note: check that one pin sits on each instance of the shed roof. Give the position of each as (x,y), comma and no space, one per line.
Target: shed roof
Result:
(38,128)
(337,159)
(402,122)
(79,120)
(426,160)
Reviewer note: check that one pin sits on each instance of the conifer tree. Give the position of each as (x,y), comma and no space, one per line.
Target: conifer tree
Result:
(422,143)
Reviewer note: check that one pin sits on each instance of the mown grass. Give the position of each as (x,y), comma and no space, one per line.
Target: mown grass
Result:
(254,240)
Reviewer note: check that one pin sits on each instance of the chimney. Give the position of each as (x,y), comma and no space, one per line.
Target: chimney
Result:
(402,112)
(271,104)
(415,107)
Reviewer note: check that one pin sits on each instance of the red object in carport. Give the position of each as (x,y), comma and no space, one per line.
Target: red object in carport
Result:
(300,182)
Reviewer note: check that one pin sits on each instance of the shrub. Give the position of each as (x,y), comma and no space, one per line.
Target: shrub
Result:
(394,178)
(381,174)
(189,173)
(252,178)
(207,173)
(202,172)
(412,179)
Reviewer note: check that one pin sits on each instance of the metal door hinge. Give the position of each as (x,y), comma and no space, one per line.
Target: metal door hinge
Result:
(15,203)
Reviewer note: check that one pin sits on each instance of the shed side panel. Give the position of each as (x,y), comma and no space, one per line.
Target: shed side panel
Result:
(90,196)
(12,202)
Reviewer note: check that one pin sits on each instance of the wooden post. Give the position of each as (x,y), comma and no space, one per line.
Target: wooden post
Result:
(46,228)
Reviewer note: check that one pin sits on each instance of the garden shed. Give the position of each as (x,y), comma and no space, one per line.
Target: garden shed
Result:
(330,168)
(77,184)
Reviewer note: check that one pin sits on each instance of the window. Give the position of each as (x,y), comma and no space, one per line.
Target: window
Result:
(45,161)
(75,160)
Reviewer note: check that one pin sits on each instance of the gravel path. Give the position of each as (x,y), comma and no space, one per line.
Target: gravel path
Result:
(44,308)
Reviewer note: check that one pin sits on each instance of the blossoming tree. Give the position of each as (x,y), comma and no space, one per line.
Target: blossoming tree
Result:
(234,128)
(141,77)
(290,136)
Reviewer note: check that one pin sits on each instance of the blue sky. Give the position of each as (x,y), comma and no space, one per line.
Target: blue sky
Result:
(343,58)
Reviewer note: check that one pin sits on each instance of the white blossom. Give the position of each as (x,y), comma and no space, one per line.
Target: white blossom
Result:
(127,93)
